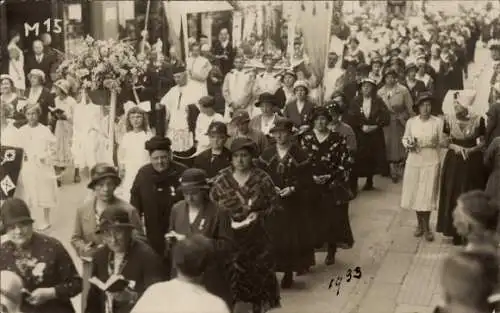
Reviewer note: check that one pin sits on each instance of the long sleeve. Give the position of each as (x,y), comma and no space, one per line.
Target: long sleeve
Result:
(77,240)
(492,122)
(70,281)
(135,195)
(407,134)
(223,236)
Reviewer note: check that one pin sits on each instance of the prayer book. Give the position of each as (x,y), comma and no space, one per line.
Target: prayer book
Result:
(114,283)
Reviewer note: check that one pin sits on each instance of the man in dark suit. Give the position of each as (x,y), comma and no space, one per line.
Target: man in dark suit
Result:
(217,157)
(40,60)
(224,52)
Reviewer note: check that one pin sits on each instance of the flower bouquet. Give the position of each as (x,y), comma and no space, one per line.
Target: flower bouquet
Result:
(105,66)
(410,143)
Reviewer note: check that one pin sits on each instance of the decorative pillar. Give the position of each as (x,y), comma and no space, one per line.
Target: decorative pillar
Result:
(237,28)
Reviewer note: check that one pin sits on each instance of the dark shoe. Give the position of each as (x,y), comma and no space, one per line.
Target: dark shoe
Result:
(429,236)
(368,187)
(419,231)
(330,259)
(59,184)
(457,241)
(287,280)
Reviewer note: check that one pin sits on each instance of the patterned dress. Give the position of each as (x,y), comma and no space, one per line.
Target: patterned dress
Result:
(251,266)
(43,263)
(330,157)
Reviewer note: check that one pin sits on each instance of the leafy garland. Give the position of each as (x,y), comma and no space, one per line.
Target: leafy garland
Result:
(103,64)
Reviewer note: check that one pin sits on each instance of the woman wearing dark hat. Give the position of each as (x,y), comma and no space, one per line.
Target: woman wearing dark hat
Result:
(269,108)
(123,256)
(217,157)
(285,93)
(331,165)
(197,214)
(367,116)
(45,267)
(376,66)
(424,139)
(398,100)
(415,86)
(289,169)
(249,195)
(154,191)
(206,117)
(299,110)
(104,180)
(39,94)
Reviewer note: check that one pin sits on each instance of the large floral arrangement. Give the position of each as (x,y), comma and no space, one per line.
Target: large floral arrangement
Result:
(102,64)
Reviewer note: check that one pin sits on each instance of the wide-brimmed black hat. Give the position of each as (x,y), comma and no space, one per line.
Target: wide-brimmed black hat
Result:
(158,143)
(282,124)
(243,143)
(266,97)
(14,211)
(114,217)
(194,179)
(411,66)
(217,128)
(320,111)
(101,171)
(241,116)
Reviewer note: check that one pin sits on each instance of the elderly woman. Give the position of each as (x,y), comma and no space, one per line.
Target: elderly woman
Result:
(368,115)
(423,138)
(196,214)
(331,165)
(45,267)
(103,183)
(398,100)
(9,101)
(63,128)
(289,169)
(154,190)
(299,109)
(37,93)
(121,256)
(463,168)
(37,184)
(11,292)
(248,194)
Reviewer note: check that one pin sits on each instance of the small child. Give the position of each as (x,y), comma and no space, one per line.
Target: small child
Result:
(205,118)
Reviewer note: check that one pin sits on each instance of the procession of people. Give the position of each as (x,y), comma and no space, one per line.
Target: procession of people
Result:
(229,176)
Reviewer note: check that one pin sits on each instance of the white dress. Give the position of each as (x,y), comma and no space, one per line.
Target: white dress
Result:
(202,123)
(64,132)
(37,184)
(81,147)
(132,155)
(199,66)
(421,176)
(9,136)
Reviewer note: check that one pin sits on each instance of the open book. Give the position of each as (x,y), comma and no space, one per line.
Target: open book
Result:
(114,283)
(55,110)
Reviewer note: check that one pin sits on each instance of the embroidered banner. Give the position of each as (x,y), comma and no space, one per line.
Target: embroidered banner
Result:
(10,165)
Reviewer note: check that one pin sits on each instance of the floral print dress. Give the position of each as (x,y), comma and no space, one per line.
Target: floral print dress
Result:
(43,263)
(251,266)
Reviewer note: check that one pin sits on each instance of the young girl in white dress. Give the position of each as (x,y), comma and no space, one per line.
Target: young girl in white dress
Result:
(131,152)
(63,113)
(37,184)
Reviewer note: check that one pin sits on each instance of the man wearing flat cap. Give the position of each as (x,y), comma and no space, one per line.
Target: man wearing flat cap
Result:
(154,191)
(181,108)
(217,156)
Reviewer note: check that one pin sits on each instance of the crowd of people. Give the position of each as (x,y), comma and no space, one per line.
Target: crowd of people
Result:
(234,174)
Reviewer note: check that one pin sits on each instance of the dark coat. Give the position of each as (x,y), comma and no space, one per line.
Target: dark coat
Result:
(292,112)
(493,122)
(213,224)
(417,89)
(290,228)
(46,66)
(45,101)
(225,64)
(154,194)
(370,157)
(143,266)
(212,164)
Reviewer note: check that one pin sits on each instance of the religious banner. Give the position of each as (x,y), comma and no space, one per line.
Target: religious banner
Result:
(10,165)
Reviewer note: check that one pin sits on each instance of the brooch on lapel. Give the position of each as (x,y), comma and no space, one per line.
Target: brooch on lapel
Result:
(202,224)
(172,191)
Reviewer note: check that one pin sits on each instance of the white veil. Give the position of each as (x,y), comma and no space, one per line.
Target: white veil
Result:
(464,97)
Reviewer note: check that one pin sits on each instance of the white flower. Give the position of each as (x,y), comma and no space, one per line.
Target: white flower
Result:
(39,269)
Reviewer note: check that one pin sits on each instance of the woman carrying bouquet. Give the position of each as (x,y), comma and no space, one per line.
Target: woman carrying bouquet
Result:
(249,195)
(423,139)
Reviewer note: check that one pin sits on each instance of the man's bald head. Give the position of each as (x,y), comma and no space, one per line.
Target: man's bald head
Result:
(37,46)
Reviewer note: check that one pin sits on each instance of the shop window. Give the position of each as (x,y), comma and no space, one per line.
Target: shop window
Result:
(74,27)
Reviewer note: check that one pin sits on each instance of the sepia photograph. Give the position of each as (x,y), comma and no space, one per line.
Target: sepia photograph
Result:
(167,156)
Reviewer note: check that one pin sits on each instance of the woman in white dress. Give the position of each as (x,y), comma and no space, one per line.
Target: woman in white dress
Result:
(63,114)
(37,184)
(131,152)
(423,138)
(198,68)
